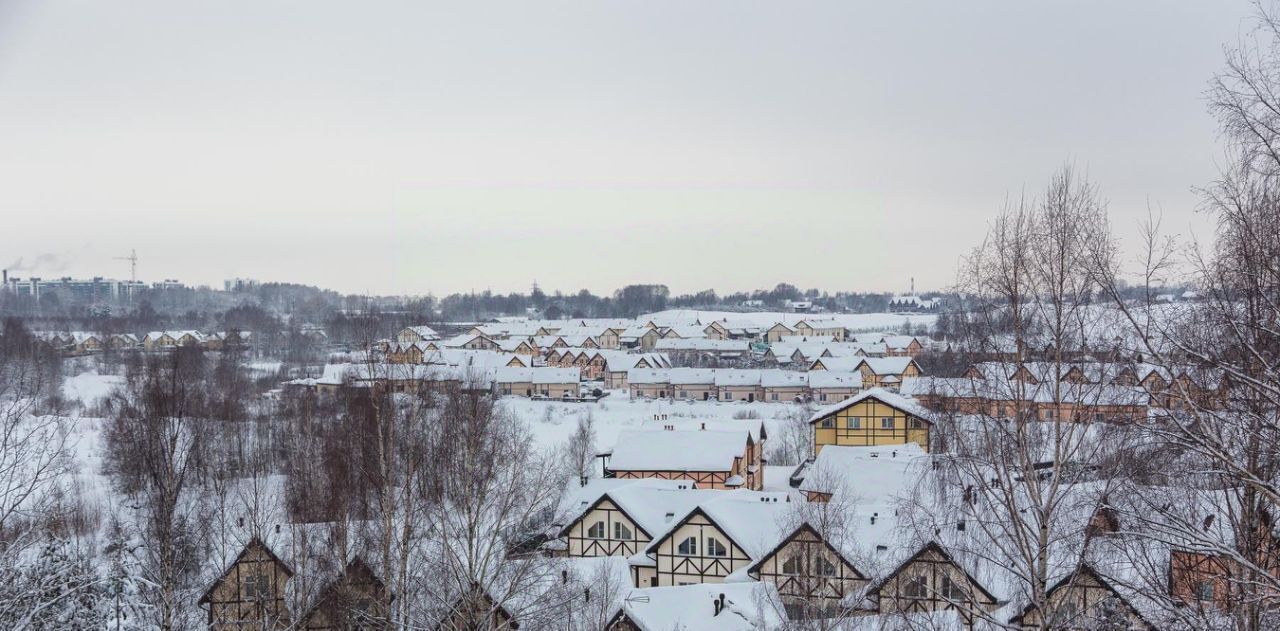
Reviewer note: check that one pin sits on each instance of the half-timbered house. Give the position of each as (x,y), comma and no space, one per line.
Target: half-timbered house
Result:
(809,572)
(931,580)
(1082,599)
(355,600)
(719,537)
(872,417)
(250,593)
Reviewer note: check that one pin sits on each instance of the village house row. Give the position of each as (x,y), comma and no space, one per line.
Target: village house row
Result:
(683,514)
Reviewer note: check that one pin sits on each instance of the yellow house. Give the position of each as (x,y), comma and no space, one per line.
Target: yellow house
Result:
(887,371)
(872,417)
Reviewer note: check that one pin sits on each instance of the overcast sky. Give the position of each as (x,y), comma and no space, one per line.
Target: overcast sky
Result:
(407,147)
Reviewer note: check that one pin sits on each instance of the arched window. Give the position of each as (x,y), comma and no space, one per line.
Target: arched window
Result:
(596,531)
(715,548)
(688,547)
(620,531)
(822,566)
(792,565)
(916,587)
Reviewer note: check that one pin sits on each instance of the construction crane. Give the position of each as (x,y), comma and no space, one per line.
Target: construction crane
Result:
(133,270)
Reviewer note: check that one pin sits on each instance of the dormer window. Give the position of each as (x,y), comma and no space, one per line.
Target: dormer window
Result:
(688,547)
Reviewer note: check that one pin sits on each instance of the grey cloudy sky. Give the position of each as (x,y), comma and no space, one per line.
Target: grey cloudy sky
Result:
(406,147)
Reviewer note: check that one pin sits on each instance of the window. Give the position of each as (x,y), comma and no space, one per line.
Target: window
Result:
(1204,590)
(886,422)
(715,548)
(257,587)
(620,531)
(773,396)
(791,566)
(822,396)
(827,423)
(684,394)
(853,423)
(823,566)
(951,590)
(596,531)
(916,587)
(728,396)
(688,547)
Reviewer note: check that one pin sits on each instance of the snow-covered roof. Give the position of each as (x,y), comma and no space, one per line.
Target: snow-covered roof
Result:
(755,520)
(833,379)
(874,475)
(423,331)
(747,607)
(783,379)
(540,374)
(678,450)
(891,399)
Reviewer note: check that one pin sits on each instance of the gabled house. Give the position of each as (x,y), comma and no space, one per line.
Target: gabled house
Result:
(886,372)
(470,342)
(421,333)
(1083,600)
(931,580)
(873,417)
(476,610)
(778,331)
(612,517)
(808,570)
(357,599)
(717,539)
(250,594)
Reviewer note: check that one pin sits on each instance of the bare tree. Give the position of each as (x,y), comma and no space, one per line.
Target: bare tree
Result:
(1217,356)
(156,446)
(1024,469)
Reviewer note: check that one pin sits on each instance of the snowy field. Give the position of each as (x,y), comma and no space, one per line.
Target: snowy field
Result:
(855,322)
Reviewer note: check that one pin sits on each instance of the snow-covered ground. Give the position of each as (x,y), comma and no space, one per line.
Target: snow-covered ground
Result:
(856,322)
(89,387)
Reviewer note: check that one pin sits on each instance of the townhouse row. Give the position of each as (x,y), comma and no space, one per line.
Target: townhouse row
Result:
(820,383)
(87,342)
